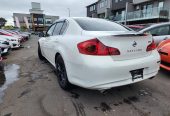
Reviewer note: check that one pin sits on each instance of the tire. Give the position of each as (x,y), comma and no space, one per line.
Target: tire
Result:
(62,74)
(1,67)
(41,57)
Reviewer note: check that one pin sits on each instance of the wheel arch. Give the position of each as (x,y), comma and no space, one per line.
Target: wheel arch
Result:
(56,55)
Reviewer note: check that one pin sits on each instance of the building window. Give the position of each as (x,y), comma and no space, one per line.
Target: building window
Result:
(48,21)
(161,4)
(116,1)
(92,8)
(106,2)
(137,7)
(101,4)
(35,19)
(29,19)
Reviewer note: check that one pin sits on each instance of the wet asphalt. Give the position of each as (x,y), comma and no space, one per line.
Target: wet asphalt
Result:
(31,89)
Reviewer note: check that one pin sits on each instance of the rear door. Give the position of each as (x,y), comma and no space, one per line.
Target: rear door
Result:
(54,39)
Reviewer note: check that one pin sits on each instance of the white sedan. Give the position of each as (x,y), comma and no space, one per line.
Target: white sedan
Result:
(13,41)
(98,54)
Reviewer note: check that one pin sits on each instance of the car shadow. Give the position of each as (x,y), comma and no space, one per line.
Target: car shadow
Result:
(165,73)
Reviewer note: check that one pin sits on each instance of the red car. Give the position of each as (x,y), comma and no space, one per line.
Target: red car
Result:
(136,27)
(164,50)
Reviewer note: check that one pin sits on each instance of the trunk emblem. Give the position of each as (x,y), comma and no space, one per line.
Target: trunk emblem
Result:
(134,44)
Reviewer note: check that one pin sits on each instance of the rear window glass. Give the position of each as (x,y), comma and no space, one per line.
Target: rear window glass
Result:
(100,25)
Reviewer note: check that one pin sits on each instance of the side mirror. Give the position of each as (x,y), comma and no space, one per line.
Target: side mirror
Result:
(42,34)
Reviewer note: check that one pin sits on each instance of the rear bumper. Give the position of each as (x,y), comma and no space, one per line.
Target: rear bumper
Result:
(15,44)
(5,50)
(104,73)
(122,82)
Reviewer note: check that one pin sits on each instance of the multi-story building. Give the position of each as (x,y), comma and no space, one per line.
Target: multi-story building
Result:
(100,9)
(119,8)
(36,20)
(92,10)
(138,11)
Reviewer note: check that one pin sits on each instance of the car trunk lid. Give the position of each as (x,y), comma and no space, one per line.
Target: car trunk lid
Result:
(131,45)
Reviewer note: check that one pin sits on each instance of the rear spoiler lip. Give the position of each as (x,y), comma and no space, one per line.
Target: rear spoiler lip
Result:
(132,34)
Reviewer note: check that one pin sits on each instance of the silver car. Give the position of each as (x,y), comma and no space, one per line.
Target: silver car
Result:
(160,31)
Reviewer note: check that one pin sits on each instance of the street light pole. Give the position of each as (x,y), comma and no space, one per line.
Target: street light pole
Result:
(126,13)
(69,12)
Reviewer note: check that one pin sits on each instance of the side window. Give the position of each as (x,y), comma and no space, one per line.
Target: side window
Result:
(50,30)
(163,30)
(63,28)
(58,28)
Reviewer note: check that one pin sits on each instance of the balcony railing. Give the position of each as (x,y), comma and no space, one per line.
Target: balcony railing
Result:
(144,14)
(140,1)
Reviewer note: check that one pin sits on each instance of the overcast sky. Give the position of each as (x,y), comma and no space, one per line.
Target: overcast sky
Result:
(50,7)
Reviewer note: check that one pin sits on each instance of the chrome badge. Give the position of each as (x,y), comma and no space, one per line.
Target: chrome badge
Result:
(134,44)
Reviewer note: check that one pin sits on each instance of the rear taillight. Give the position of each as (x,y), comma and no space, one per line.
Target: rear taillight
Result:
(151,46)
(95,47)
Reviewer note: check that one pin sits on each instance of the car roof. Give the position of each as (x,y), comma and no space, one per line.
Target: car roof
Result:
(73,18)
(155,25)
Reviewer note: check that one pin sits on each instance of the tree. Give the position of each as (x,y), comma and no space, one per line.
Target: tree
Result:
(9,27)
(2,21)
(23,28)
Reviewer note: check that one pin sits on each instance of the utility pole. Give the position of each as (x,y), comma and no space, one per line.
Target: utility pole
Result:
(126,11)
(68,11)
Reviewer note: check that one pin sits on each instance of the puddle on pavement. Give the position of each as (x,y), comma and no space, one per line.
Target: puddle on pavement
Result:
(7,77)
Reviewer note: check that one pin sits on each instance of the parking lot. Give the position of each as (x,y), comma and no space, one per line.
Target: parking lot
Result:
(36,91)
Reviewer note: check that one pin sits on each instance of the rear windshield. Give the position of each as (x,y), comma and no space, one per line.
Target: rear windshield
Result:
(100,25)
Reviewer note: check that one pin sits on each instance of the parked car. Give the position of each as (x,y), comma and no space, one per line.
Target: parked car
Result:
(1,67)
(13,42)
(2,75)
(164,50)
(160,31)
(4,41)
(23,36)
(27,33)
(98,54)
(135,27)
(4,45)
(4,48)
(0,57)
(3,32)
